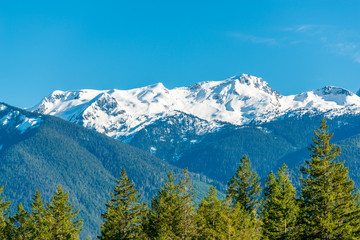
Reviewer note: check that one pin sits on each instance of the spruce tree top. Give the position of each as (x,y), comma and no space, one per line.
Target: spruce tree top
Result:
(124,213)
(327,203)
(244,186)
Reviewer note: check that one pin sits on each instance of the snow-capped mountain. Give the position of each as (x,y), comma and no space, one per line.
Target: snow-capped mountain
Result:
(14,119)
(237,100)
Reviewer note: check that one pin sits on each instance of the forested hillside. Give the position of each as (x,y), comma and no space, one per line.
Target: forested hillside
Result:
(325,206)
(85,162)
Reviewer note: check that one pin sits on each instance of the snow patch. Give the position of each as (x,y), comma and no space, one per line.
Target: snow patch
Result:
(28,123)
(9,118)
(153,150)
(2,107)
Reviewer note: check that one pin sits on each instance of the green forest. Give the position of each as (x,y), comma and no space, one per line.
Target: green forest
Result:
(326,206)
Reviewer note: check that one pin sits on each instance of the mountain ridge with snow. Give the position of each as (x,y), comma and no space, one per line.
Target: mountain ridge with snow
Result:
(237,100)
(15,119)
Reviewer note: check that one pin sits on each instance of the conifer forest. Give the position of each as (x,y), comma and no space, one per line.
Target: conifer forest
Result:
(326,205)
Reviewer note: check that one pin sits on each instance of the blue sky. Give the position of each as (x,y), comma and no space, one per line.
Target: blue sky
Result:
(293,45)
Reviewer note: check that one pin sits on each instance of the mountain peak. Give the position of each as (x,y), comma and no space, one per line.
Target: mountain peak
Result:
(358,92)
(331,90)
(255,82)
(13,118)
(158,85)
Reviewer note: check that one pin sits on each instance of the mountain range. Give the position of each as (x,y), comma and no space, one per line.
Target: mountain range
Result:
(238,100)
(208,126)
(84,138)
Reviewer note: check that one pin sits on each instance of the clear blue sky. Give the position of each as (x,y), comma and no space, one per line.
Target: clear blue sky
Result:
(293,45)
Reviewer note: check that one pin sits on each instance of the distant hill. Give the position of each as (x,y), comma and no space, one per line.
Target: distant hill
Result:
(40,152)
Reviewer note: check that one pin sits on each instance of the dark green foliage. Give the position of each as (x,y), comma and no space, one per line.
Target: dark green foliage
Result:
(328,207)
(280,208)
(64,224)
(124,214)
(244,187)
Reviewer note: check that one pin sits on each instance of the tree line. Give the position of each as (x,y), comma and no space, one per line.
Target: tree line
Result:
(327,206)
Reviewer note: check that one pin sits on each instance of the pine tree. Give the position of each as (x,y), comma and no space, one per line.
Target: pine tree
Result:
(280,209)
(328,203)
(40,219)
(244,187)
(5,225)
(212,218)
(63,223)
(165,216)
(187,195)
(124,214)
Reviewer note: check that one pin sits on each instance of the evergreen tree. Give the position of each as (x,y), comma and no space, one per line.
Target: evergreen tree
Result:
(40,219)
(212,218)
(328,207)
(280,209)
(165,216)
(244,187)
(124,214)
(187,195)
(63,223)
(5,225)
(243,224)
(22,229)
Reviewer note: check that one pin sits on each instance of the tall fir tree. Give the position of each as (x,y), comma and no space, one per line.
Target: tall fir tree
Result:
(243,224)
(280,208)
(124,215)
(244,187)
(212,218)
(328,207)
(64,224)
(22,224)
(40,218)
(5,224)
(164,218)
(187,195)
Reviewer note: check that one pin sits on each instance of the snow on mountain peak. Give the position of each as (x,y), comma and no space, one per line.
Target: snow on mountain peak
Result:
(331,90)
(13,118)
(237,100)
(256,82)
